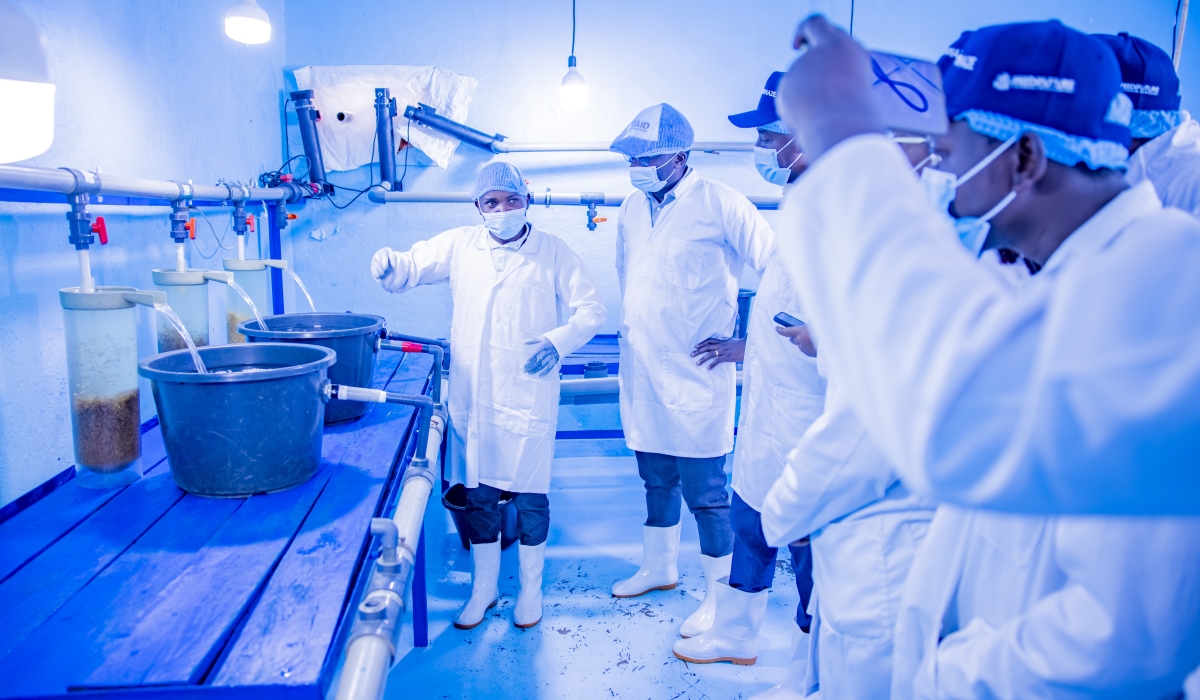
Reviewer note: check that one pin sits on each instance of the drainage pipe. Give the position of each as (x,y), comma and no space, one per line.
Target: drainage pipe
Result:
(376,629)
(548,198)
(69,181)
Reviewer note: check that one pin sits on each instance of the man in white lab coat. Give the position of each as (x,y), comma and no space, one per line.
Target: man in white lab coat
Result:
(682,243)
(1007,605)
(1166,140)
(511,283)
(979,396)
(781,394)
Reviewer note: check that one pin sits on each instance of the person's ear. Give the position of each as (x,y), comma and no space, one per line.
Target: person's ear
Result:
(1031,161)
(476,203)
(528,201)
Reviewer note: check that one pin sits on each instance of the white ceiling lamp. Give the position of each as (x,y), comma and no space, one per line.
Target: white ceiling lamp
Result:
(574,91)
(248,23)
(26,93)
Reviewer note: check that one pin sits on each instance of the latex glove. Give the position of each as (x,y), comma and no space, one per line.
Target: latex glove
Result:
(381,263)
(716,351)
(544,357)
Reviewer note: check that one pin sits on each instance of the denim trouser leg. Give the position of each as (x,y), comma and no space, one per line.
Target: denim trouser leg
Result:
(698,481)
(483,515)
(753,567)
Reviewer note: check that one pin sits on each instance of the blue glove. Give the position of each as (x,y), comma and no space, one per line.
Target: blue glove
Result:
(544,357)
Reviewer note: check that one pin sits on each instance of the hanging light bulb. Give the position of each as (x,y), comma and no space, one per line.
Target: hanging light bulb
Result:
(26,93)
(574,92)
(248,23)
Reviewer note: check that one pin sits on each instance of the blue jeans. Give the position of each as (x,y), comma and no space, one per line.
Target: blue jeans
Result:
(483,515)
(753,567)
(698,481)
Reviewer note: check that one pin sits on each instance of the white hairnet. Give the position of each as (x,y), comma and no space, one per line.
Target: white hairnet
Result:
(654,131)
(499,176)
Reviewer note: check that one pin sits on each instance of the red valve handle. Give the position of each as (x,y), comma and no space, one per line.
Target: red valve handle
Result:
(100,230)
(407,346)
(250,223)
(191,228)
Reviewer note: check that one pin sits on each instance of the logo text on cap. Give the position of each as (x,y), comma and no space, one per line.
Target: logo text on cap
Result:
(1045,83)
(1140,89)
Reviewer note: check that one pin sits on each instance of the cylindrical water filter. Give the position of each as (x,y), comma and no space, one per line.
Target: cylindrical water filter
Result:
(252,276)
(101,335)
(187,295)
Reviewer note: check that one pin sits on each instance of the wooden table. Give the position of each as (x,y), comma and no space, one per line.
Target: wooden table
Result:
(148,592)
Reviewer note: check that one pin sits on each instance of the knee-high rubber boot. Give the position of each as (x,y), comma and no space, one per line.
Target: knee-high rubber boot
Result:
(715,568)
(734,633)
(792,685)
(659,570)
(529,601)
(485,558)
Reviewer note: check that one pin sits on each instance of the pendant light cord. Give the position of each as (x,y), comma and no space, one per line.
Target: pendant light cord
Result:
(572,27)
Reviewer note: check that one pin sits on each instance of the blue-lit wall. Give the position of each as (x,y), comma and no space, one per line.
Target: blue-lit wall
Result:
(155,89)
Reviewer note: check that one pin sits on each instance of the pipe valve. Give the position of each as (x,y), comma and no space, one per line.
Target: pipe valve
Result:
(100,230)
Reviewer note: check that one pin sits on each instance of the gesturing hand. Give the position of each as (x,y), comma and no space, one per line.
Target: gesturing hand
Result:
(544,357)
(800,337)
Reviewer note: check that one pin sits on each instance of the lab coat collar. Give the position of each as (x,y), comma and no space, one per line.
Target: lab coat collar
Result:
(1095,233)
(685,183)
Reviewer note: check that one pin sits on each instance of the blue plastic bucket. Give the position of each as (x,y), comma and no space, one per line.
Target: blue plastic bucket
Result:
(253,424)
(354,337)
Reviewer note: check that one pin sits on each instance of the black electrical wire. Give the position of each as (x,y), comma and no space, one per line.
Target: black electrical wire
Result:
(572,28)
(370,182)
(407,145)
(272,177)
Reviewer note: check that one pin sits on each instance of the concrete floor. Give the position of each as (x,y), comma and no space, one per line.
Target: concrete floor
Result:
(589,644)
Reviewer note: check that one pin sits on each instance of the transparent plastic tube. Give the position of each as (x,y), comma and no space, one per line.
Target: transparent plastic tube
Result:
(190,302)
(105,405)
(257,285)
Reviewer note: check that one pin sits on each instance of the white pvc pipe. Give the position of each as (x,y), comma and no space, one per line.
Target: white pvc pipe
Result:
(180,257)
(580,387)
(241,247)
(364,675)
(410,511)
(86,285)
(576,199)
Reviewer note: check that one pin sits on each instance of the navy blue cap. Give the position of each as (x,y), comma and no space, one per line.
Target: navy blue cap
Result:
(954,53)
(1046,75)
(1147,72)
(765,114)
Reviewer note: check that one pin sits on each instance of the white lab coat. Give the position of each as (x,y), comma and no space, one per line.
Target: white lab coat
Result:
(782,391)
(1172,163)
(1050,607)
(865,529)
(679,283)
(502,420)
(1082,396)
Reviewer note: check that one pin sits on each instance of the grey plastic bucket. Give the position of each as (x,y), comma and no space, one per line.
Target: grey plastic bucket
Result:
(232,432)
(455,501)
(354,337)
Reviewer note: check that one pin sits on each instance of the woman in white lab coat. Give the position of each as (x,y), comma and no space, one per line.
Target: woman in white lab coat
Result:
(510,283)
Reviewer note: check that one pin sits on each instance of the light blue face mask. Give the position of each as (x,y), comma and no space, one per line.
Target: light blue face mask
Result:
(645,177)
(766,160)
(941,188)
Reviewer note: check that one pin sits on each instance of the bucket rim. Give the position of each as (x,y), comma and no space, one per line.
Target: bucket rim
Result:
(250,327)
(323,358)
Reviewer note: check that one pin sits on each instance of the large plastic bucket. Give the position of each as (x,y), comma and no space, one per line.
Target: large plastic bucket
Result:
(455,501)
(252,424)
(354,337)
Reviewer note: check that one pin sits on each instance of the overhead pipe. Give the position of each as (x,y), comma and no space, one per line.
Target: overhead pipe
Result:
(427,116)
(68,181)
(548,198)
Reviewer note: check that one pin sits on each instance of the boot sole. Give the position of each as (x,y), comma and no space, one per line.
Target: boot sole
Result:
(667,587)
(531,624)
(730,659)
(471,627)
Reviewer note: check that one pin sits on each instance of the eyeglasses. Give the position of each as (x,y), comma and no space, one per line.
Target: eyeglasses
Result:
(647,161)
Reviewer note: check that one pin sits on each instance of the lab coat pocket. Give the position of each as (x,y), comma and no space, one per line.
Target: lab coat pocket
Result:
(530,405)
(685,387)
(792,412)
(534,309)
(685,263)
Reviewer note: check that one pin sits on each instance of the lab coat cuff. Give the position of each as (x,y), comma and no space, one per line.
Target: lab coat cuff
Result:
(558,337)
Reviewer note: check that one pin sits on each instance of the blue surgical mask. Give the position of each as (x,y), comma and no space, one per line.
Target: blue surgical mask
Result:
(766,160)
(941,187)
(505,224)
(645,177)
(973,230)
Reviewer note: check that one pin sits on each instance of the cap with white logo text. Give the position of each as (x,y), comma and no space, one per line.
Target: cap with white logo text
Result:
(765,114)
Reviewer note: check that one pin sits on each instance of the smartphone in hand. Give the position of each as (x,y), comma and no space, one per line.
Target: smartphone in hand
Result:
(787,320)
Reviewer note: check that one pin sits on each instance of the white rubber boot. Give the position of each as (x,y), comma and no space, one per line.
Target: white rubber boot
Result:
(659,570)
(529,601)
(792,685)
(734,634)
(715,568)
(485,559)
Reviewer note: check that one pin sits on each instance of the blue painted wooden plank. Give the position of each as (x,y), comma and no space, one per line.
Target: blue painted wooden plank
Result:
(180,633)
(192,692)
(31,596)
(178,637)
(31,531)
(290,631)
(68,646)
